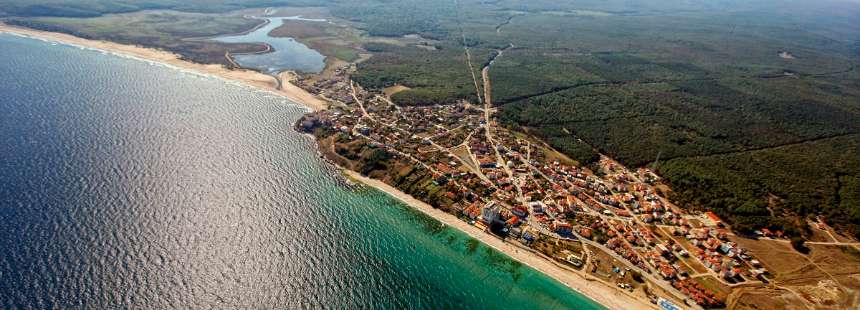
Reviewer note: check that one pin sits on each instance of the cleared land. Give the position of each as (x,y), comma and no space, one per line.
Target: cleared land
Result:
(827,278)
(746,108)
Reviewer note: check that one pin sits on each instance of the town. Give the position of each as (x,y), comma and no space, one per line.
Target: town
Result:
(606,221)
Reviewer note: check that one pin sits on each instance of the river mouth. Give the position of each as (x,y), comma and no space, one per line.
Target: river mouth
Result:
(284,54)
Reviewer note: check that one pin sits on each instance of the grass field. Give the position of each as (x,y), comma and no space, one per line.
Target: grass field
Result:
(168,30)
(324,37)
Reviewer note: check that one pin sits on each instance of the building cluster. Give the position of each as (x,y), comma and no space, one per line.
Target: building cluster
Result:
(333,86)
(515,187)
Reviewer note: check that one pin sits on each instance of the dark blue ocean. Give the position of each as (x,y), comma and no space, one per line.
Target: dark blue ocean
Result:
(125,184)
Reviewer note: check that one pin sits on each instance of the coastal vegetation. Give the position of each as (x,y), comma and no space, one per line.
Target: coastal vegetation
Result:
(95,8)
(744,111)
(327,38)
(168,30)
(693,88)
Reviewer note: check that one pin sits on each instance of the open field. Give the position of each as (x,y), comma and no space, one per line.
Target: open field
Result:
(325,37)
(94,8)
(167,30)
(824,279)
(747,109)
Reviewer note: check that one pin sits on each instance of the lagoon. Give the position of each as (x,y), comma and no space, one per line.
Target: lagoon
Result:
(286,54)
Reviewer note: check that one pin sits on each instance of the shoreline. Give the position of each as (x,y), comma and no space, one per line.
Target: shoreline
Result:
(245,76)
(599,292)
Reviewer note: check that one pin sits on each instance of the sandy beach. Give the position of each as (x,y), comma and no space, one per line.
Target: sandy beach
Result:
(598,291)
(603,294)
(249,77)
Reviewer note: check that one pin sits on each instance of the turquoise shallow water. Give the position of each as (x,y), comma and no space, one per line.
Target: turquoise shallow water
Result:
(125,184)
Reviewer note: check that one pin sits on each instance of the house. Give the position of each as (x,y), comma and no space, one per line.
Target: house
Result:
(585,232)
(713,217)
(490,212)
(647,218)
(520,212)
(528,237)
(725,248)
(537,207)
(473,212)
(562,227)
(667,271)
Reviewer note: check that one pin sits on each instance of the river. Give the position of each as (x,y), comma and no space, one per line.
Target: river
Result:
(286,53)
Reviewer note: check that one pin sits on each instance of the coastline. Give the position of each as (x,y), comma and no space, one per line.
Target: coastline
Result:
(597,291)
(600,293)
(248,77)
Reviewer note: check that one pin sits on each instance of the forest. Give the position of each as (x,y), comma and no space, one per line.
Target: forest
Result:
(820,177)
(703,96)
(746,108)
(440,75)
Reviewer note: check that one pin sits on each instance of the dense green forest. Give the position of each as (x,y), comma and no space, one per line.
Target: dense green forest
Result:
(440,75)
(398,18)
(695,87)
(819,177)
(747,108)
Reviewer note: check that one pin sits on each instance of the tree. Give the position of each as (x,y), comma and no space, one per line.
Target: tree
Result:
(799,244)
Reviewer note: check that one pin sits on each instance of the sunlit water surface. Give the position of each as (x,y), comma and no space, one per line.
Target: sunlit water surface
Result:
(125,184)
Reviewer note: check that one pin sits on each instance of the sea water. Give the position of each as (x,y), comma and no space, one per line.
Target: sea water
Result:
(125,184)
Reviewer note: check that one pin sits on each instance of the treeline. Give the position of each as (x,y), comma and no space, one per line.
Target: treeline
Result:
(636,122)
(684,124)
(398,18)
(571,146)
(775,188)
(625,122)
(523,72)
(560,139)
